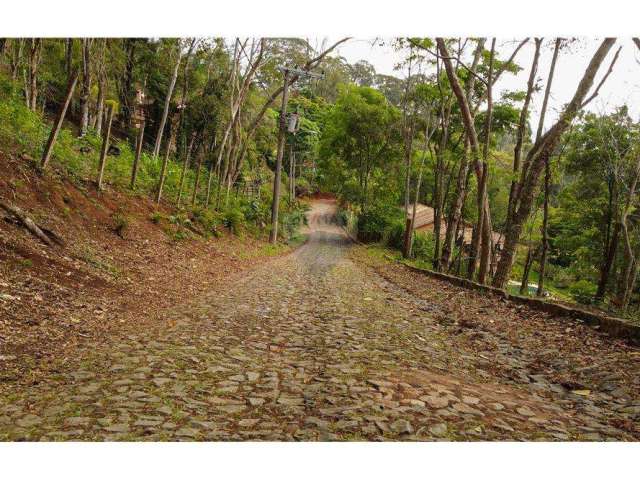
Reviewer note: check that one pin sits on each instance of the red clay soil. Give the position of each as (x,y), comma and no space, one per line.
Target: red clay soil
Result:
(100,282)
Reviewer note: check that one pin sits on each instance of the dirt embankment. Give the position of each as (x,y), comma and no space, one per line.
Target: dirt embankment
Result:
(123,261)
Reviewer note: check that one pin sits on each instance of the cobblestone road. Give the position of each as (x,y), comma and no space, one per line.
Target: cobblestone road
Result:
(311,346)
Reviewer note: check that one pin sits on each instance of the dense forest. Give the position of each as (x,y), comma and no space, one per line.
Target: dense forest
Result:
(234,132)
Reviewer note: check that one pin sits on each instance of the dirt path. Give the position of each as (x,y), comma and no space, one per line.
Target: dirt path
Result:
(311,346)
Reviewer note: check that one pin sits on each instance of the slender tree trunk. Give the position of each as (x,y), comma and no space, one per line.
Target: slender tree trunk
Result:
(68,57)
(547,175)
(48,150)
(486,231)
(273,235)
(630,271)
(167,104)
(537,156)
(85,92)
(105,147)
(185,166)
(522,126)
(126,91)
(524,285)
(34,61)
(136,161)
(16,58)
(165,160)
(468,122)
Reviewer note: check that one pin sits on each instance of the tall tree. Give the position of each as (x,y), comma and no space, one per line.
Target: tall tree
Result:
(536,158)
(167,100)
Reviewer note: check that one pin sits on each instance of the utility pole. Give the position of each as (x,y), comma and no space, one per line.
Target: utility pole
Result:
(273,235)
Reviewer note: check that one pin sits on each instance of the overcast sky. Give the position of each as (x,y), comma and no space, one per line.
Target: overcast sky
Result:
(622,86)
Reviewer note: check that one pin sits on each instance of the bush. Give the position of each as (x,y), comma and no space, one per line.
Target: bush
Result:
(120,224)
(378,220)
(583,291)
(291,221)
(207,218)
(233,218)
(394,235)
(562,278)
(423,246)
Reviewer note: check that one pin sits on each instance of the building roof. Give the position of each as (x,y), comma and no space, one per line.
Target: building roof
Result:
(424,215)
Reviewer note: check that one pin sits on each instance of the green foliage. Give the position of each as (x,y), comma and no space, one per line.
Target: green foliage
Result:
(423,245)
(375,224)
(583,291)
(121,223)
(233,218)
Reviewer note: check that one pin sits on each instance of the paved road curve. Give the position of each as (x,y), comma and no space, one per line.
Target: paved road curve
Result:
(311,346)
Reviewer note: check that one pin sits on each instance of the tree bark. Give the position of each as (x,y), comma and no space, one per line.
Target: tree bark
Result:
(547,175)
(167,103)
(630,271)
(486,226)
(522,126)
(165,160)
(105,147)
(34,60)
(185,166)
(468,122)
(85,92)
(136,160)
(48,150)
(455,213)
(536,158)
(273,235)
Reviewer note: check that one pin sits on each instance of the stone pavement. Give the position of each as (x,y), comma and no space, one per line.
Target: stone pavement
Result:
(311,346)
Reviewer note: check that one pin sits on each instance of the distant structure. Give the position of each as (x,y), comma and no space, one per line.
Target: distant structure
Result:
(425,222)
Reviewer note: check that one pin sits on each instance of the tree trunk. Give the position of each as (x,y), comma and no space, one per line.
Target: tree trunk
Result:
(85,92)
(630,264)
(486,231)
(136,161)
(536,158)
(547,177)
(165,160)
(469,125)
(126,91)
(524,285)
(34,61)
(273,235)
(105,147)
(185,166)
(522,126)
(48,150)
(545,229)
(68,57)
(167,104)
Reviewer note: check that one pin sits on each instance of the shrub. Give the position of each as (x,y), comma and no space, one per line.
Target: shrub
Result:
(156,217)
(207,218)
(583,291)
(394,235)
(120,224)
(233,218)
(291,221)
(376,221)
(562,278)
(423,245)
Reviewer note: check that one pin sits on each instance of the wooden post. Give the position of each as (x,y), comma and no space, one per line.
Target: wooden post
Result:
(136,161)
(46,156)
(273,236)
(105,147)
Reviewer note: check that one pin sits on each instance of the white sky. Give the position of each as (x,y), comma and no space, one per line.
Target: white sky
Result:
(622,86)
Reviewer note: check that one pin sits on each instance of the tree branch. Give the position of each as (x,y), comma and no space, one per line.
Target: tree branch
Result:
(604,79)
